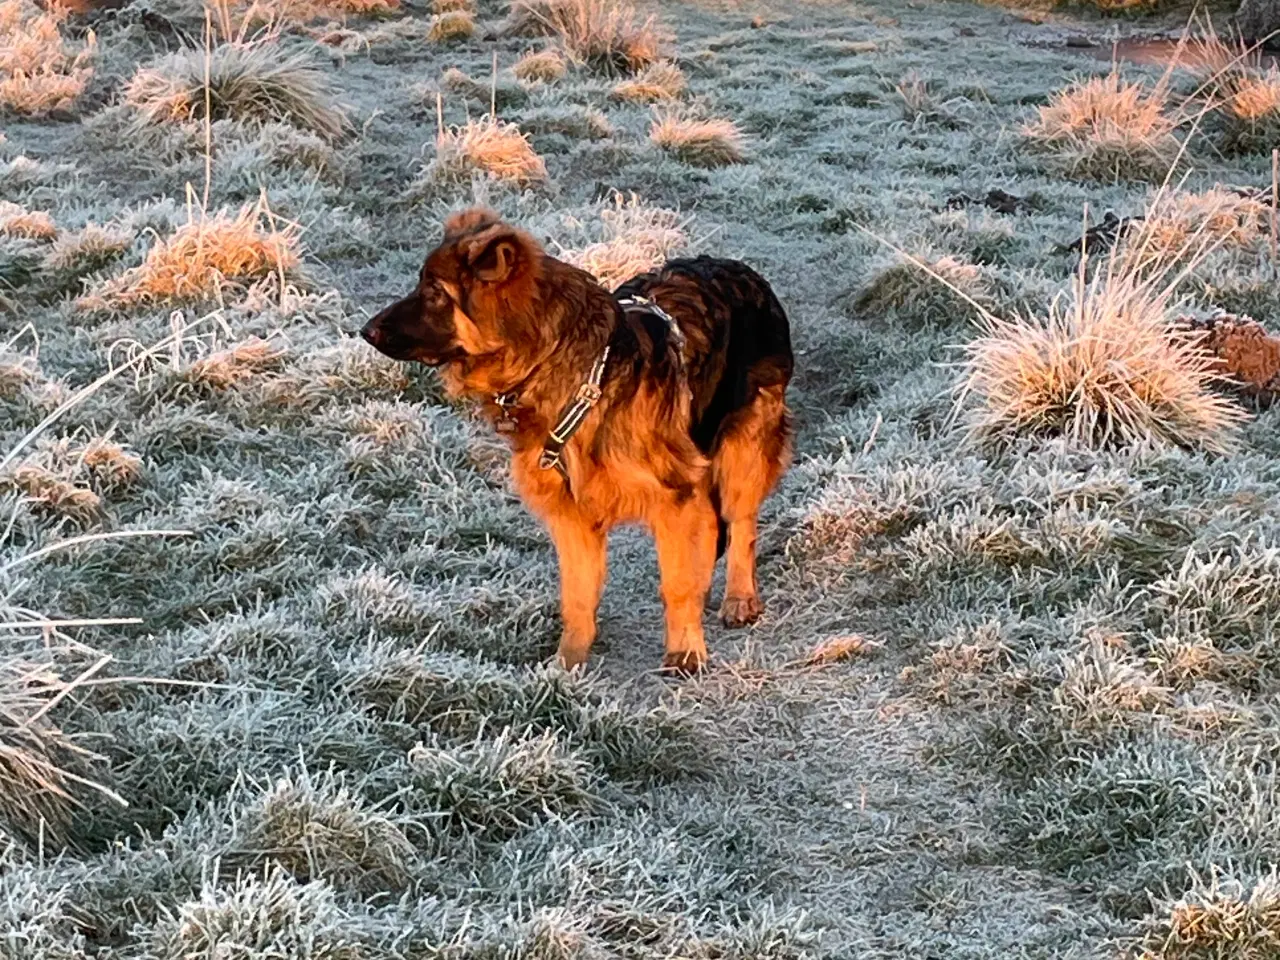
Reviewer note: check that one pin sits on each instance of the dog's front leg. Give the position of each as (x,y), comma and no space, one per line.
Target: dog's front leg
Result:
(685,534)
(582,549)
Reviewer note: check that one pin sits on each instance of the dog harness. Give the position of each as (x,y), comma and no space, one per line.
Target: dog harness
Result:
(588,395)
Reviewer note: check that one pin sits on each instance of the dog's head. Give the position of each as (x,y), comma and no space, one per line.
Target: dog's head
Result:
(477,295)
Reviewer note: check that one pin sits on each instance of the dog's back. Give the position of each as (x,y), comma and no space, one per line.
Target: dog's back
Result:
(738,337)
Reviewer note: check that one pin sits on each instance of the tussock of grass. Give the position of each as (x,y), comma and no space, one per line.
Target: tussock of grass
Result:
(540,66)
(635,238)
(1178,224)
(1244,93)
(235,365)
(91,248)
(489,146)
(55,494)
(202,258)
(1108,128)
(268,915)
(316,828)
(496,788)
(452,25)
(449,6)
(1229,596)
(699,142)
(905,292)
(1221,918)
(604,35)
(254,82)
(39,792)
(17,221)
(38,72)
(1103,366)
(658,82)
(112,468)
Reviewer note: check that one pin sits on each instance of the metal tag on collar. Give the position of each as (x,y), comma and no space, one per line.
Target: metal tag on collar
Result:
(507,422)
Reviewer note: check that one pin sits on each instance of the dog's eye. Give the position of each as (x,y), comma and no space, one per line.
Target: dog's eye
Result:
(435,295)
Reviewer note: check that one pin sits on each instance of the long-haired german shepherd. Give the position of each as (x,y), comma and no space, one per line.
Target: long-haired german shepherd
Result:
(661,404)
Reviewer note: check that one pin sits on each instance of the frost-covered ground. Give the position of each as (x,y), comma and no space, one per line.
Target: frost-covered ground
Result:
(1063,704)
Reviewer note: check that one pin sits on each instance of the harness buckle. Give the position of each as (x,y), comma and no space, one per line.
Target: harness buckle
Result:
(589,393)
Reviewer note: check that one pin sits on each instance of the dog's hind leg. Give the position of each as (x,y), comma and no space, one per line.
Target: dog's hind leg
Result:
(749,459)
(583,550)
(685,534)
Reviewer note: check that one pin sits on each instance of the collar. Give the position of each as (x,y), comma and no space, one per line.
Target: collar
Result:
(575,412)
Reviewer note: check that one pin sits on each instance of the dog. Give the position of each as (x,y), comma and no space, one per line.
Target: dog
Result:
(661,404)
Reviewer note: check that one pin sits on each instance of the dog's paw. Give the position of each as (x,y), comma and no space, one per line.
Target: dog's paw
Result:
(683,663)
(740,611)
(572,658)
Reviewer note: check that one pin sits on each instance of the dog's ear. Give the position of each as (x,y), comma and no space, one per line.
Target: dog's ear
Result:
(496,253)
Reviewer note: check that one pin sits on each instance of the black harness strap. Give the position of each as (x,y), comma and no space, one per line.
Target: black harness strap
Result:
(588,395)
(571,418)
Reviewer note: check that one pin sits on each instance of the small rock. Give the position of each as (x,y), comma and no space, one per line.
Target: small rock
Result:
(968,32)
(758,21)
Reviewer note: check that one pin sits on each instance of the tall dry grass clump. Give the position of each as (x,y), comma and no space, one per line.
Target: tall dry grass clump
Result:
(490,146)
(39,73)
(635,238)
(38,792)
(251,81)
(451,25)
(701,143)
(540,66)
(1108,128)
(1179,225)
(1105,366)
(656,83)
(203,257)
(605,35)
(1245,93)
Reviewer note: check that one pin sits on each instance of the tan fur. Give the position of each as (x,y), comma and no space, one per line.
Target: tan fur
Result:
(532,324)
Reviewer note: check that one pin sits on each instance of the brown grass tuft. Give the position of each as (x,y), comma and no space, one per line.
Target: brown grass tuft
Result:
(1104,366)
(452,25)
(448,6)
(635,238)
(490,146)
(657,83)
(604,35)
(235,365)
(38,795)
(702,143)
(17,221)
(1223,919)
(38,72)
(540,66)
(110,465)
(253,81)
(202,258)
(56,495)
(1246,94)
(1178,223)
(1107,128)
